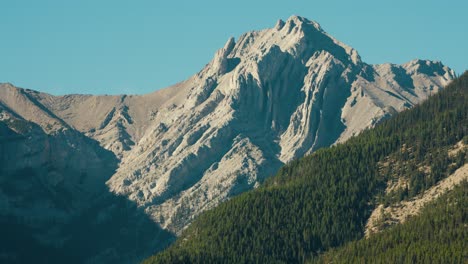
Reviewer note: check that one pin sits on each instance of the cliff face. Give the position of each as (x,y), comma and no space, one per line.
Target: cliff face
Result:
(272,96)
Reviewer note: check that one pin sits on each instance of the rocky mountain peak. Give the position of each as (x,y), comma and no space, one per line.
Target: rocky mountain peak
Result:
(270,97)
(428,67)
(299,21)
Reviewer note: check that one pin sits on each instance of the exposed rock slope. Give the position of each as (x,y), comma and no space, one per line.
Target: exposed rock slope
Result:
(264,100)
(272,96)
(383,216)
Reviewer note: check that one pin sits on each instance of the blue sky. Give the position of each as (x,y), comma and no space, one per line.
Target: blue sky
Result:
(113,47)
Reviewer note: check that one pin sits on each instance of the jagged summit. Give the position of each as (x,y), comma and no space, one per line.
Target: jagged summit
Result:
(298,36)
(299,20)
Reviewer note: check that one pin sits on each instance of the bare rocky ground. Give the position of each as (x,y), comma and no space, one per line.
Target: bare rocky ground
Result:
(385,216)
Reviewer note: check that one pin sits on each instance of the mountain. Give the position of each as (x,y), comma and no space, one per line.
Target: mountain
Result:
(416,161)
(270,97)
(264,100)
(54,202)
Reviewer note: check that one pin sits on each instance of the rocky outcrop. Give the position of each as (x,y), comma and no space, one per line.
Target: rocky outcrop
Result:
(383,217)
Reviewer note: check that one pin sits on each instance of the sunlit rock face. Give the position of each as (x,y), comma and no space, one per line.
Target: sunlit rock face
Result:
(272,96)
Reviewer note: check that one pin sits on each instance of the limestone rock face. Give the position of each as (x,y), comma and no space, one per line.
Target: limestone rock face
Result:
(274,95)
(270,97)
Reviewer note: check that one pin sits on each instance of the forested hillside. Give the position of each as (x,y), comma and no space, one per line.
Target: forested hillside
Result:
(438,235)
(323,200)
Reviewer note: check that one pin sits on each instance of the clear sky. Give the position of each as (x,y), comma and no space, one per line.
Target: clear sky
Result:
(116,46)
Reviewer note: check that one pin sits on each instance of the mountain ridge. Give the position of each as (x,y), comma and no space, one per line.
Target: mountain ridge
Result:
(284,97)
(264,100)
(323,201)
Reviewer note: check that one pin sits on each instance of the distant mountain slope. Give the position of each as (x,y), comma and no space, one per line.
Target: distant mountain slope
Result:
(54,204)
(325,199)
(117,122)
